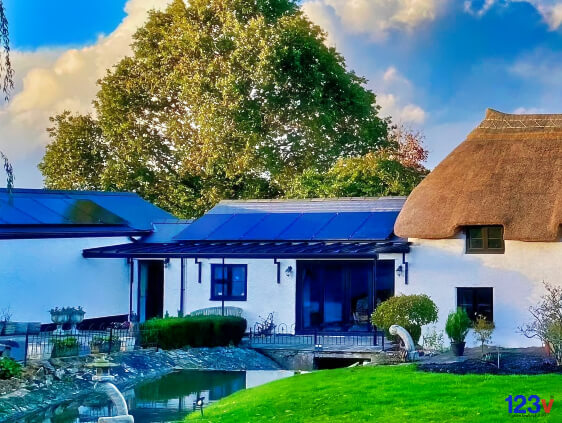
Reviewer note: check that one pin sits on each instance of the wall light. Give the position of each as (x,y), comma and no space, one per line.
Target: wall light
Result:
(289,271)
(399,270)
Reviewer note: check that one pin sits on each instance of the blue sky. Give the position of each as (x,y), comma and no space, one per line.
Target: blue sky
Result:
(39,23)
(436,65)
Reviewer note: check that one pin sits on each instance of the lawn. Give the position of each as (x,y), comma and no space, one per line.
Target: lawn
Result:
(385,393)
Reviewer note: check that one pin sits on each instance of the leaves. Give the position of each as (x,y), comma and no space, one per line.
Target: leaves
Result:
(6,70)
(228,99)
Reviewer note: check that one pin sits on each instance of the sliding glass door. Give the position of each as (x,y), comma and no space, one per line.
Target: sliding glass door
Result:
(339,296)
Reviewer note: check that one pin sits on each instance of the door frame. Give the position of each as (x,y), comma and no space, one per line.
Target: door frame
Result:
(346,300)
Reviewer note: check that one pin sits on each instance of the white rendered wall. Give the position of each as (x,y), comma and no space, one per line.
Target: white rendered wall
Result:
(264,294)
(39,274)
(438,267)
(172,287)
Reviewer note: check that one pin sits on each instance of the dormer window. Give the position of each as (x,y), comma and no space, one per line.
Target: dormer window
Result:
(484,240)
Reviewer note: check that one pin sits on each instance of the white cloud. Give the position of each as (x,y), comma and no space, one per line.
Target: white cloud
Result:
(373,17)
(528,110)
(550,10)
(394,94)
(49,81)
(473,9)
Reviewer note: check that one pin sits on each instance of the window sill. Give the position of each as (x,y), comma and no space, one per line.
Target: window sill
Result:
(228,299)
(485,252)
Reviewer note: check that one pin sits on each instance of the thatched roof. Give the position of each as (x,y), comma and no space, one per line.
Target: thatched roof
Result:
(507,172)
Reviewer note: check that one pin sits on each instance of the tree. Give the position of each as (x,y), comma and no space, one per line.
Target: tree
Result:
(6,71)
(547,321)
(395,170)
(79,140)
(220,99)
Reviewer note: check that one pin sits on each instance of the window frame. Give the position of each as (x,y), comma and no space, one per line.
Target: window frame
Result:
(485,248)
(475,300)
(214,281)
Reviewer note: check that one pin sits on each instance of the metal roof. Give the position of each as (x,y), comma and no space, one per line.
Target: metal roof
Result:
(247,250)
(312,205)
(30,213)
(351,219)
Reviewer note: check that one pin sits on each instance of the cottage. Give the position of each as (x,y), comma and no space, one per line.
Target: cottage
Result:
(42,235)
(315,264)
(484,226)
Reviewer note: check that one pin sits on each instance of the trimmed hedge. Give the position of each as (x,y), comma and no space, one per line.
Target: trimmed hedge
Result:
(198,331)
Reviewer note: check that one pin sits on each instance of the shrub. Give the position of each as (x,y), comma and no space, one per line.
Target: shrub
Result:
(457,326)
(101,344)
(65,347)
(200,331)
(433,340)
(9,368)
(547,321)
(409,311)
(483,330)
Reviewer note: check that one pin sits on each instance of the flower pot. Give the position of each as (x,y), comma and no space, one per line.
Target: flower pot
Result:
(458,348)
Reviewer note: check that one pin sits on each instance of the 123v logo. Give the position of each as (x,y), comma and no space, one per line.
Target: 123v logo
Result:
(532,404)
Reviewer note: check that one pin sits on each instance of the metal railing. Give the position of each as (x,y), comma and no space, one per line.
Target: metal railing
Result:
(58,344)
(283,334)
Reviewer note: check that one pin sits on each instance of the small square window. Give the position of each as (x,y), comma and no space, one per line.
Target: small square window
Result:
(485,240)
(476,301)
(228,282)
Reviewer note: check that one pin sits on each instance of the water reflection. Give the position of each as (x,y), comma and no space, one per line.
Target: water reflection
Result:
(167,399)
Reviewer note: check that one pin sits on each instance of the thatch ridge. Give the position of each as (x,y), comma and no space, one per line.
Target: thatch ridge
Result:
(507,172)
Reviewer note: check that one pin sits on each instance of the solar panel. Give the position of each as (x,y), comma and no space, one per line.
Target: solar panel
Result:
(203,227)
(236,227)
(342,226)
(12,216)
(38,211)
(306,226)
(379,225)
(271,226)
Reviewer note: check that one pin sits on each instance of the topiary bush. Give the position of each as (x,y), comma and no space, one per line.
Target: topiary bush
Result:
(409,311)
(199,331)
(9,368)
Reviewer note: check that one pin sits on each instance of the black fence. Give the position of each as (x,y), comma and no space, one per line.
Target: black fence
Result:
(58,344)
(286,335)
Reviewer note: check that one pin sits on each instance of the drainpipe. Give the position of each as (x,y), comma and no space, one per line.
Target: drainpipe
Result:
(131,283)
(182,286)
(405,263)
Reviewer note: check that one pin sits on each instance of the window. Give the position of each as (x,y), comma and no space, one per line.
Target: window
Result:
(484,240)
(228,282)
(476,301)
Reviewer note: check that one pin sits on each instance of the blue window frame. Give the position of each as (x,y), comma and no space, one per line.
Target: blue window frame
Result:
(229,282)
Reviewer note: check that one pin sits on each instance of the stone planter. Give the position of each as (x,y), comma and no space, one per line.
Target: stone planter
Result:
(458,348)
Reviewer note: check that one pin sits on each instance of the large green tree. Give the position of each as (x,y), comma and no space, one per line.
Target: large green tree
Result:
(220,99)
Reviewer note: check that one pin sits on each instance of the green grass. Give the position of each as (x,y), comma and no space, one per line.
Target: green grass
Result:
(385,393)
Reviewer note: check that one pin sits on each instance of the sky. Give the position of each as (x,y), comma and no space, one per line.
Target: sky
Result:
(435,65)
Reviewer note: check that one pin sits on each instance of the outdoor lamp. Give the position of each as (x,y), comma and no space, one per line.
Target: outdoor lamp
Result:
(289,270)
(399,270)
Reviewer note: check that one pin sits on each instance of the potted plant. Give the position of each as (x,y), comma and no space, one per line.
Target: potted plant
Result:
(457,327)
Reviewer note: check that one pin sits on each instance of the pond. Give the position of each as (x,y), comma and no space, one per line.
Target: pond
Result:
(167,399)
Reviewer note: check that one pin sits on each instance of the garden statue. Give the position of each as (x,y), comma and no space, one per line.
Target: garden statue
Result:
(103,380)
(409,345)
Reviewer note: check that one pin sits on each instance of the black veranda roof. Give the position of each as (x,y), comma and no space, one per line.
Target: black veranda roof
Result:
(250,249)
